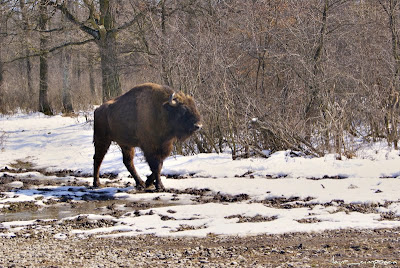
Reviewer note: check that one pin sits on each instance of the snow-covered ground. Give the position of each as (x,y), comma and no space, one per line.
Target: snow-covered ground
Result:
(317,191)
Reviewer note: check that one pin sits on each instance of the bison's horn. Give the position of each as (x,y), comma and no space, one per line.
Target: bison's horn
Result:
(172,100)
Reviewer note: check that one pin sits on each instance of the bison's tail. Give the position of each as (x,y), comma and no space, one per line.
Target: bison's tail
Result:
(94,135)
(94,127)
(100,128)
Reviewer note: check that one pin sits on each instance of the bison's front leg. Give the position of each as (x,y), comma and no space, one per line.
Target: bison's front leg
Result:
(155,167)
(128,154)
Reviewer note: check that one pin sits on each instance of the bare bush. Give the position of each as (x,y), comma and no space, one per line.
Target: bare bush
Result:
(317,75)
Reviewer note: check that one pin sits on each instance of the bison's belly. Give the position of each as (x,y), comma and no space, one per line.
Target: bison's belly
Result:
(127,141)
(124,136)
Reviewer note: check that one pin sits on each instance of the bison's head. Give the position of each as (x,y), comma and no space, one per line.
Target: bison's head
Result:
(184,119)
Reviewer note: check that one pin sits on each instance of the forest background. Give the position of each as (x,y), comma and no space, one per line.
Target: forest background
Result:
(316,76)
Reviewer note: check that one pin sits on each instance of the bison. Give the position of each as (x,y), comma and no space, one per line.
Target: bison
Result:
(149,116)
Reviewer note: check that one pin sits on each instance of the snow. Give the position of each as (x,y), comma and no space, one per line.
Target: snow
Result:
(65,143)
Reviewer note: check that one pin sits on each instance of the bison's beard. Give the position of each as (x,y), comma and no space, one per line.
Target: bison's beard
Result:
(183,133)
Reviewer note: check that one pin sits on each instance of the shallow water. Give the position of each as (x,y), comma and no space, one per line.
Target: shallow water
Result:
(104,207)
(63,210)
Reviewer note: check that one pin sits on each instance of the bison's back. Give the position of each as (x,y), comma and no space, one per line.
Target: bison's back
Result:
(135,116)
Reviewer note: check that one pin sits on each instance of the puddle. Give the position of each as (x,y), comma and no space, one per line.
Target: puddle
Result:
(59,211)
(62,200)
(64,210)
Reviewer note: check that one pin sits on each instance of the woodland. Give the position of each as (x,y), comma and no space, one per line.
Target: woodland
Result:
(312,76)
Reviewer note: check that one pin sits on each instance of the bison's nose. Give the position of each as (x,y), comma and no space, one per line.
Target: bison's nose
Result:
(197,126)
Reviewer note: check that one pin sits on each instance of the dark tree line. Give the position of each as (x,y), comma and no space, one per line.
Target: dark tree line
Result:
(312,76)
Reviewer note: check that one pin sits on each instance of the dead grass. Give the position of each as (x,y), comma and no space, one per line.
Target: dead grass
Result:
(22,164)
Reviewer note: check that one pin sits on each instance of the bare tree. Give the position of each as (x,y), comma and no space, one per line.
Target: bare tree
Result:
(392,11)
(91,63)
(66,72)
(1,64)
(103,30)
(311,76)
(3,23)
(26,43)
(44,105)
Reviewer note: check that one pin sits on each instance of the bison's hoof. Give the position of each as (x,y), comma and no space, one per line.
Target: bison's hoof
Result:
(150,188)
(140,186)
(149,183)
(154,190)
(160,188)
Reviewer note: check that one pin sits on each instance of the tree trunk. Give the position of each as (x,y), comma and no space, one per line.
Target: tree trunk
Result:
(78,68)
(66,67)
(314,88)
(313,106)
(44,105)
(91,75)
(29,74)
(2,30)
(165,71)
(1,83)
(108,51)
(394,94)
(66,87)
(25,43)
(109,68)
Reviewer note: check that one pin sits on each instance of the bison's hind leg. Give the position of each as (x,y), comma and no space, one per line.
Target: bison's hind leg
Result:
(100,150)
(128,153)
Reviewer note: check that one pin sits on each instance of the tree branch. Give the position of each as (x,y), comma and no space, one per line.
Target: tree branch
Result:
(49,31)
(52,50)
(128,24)
(93,16)
(74,20)
(71,44)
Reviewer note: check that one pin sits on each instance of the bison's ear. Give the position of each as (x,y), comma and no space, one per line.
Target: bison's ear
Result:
(171,103)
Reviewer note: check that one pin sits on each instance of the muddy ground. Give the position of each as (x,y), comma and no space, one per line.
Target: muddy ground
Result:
(38,247)
(345,248)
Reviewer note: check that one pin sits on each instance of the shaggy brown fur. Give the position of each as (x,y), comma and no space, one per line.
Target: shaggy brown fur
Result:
(149,116)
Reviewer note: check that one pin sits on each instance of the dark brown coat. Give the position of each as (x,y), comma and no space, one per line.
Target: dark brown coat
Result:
(149,116)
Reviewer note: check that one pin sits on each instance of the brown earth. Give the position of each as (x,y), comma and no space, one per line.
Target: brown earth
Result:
(341,248)
(37,247)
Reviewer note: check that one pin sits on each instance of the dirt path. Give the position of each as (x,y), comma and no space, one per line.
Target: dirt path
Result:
(40,245)
(345,248)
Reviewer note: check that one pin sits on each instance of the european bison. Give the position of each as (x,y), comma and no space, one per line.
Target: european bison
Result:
(149,116)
